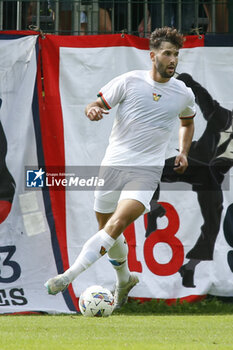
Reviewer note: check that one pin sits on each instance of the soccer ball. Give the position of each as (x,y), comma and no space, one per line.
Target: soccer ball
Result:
(96,301)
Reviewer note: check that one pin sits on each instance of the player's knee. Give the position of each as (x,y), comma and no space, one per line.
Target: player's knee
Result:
(115,226)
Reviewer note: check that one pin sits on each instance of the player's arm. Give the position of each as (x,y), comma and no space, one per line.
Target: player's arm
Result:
(95,110)
(185,139)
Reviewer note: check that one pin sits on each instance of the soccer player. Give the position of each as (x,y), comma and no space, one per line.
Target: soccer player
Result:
(149,102)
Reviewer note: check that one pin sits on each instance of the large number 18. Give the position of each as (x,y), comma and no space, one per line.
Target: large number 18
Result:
(166,235)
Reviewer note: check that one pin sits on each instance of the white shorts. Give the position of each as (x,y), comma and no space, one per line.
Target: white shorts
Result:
(123,184)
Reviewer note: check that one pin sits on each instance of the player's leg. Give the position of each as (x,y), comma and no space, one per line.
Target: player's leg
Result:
(102,218)
(117,256)
(104,205)
(92,250)
(125,280)
(126,212)
(140,200)
(118,253)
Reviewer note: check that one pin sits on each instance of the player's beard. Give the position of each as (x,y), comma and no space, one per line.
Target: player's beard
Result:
(161,69)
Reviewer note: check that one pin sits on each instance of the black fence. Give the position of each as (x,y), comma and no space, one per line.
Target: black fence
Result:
(81,17)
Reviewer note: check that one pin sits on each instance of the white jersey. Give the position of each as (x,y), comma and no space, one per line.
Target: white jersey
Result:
(145,117)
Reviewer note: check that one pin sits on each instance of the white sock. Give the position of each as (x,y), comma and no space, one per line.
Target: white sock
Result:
(117,255)
(92,250)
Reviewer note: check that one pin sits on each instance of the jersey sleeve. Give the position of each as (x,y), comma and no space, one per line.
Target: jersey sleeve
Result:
(190,111)
(113,92)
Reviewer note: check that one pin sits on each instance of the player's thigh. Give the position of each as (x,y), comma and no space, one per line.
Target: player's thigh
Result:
(104,205)
(129,209)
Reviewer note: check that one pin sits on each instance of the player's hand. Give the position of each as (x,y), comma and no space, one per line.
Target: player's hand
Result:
(181,163)
(96,113)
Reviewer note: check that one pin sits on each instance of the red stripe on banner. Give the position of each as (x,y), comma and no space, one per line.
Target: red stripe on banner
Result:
(194,41)
(188,299)
(23,313)
(110,40)
(19,32)
(51,121)
(170,302)
(107,40)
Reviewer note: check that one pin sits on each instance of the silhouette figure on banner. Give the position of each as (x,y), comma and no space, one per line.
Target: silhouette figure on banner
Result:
(7,183)
(210,159)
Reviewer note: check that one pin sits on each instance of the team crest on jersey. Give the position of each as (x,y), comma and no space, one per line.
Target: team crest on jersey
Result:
(103,250)
(156,97)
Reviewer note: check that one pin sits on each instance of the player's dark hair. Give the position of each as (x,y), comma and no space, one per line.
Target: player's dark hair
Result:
(166,34)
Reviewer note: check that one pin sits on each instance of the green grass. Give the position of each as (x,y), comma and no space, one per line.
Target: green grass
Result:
(206,325)
(117,332)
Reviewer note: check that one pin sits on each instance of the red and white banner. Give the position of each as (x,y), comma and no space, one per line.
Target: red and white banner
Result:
(191,252)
